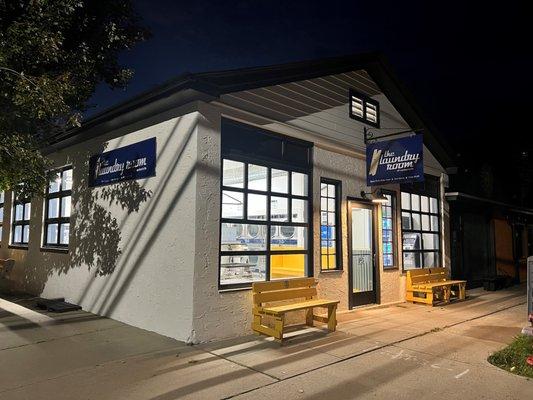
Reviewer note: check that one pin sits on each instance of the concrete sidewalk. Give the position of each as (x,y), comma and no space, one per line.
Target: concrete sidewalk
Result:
(394,352)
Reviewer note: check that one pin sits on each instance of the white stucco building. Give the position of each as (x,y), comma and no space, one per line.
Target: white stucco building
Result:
(258,176)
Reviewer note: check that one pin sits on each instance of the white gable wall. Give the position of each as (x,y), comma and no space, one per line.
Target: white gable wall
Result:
(319,108)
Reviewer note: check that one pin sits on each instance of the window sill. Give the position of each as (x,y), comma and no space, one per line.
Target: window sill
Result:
(239,289)
(331,271)
(18,247)
(46,249)
(245,287)
(391,268)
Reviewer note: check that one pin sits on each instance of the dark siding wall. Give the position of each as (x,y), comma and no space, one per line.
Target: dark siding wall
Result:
(472,246)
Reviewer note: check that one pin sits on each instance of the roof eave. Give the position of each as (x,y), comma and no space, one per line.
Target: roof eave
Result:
(211,85)
(128,114)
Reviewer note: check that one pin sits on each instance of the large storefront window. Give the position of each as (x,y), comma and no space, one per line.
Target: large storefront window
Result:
(265,223)
(420,231)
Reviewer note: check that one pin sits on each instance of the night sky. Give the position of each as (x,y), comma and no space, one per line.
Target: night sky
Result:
(469,66)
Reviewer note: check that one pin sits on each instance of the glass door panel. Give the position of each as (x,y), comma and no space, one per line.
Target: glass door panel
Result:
(362,255)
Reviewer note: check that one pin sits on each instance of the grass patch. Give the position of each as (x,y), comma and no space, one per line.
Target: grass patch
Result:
(513,357)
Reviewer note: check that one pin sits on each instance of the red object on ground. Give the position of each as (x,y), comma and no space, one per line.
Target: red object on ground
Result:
(529,360)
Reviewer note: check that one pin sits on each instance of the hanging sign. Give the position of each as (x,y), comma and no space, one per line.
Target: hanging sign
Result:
(135,161)
(395,161)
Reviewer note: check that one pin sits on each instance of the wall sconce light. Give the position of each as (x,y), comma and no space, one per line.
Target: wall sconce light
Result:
(376,197)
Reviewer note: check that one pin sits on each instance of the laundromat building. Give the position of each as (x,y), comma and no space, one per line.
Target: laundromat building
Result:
(234,177)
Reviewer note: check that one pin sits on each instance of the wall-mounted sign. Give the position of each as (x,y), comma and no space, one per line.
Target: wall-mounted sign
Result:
(135,161)
(395,161)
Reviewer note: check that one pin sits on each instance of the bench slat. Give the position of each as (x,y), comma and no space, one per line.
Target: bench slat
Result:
(299,306)
(436,284)
(425,271)
(258,287)
(429,279)
(280,295)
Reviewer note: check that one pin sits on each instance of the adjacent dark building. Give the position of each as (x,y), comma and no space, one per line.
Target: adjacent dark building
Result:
(491,223)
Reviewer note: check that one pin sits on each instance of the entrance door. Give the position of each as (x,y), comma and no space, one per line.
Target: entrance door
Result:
(362,255)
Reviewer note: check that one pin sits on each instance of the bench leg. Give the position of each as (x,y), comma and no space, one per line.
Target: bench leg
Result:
(309,317)
(429,298)
(256,323)
(462,291)
(459,290)
(265,330)
(332,318)
(278,327)
(259,328)
(447,290)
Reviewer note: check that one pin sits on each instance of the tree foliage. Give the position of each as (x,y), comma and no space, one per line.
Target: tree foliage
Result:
(53,54)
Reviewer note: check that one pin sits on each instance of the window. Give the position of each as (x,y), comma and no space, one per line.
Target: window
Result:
(388,218)
(264,225)
(2,199)
(420,231)
(330,238)
(265,207)
(57,209)
(364,109)
(20,226)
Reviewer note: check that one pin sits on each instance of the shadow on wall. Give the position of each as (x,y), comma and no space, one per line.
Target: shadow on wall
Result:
(97,233)
(115,227)
(95,236)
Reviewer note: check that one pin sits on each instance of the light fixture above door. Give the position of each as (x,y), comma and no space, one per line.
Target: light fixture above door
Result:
(376,197)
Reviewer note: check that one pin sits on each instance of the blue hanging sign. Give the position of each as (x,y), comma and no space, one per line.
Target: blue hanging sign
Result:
(135,161)
(395,161)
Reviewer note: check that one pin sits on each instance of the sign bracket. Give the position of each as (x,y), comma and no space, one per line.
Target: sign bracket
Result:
(370,138)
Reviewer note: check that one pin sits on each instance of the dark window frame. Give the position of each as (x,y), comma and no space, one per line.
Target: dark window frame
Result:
(365,100)
(421,192)
(59,220)
(394,230)
(338,224)
(268,222)
(282,164)
(22,222)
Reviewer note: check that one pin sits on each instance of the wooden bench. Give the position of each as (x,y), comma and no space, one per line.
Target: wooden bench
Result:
(296,294)
(431,285)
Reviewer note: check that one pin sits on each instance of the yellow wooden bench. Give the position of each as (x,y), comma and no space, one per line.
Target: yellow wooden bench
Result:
(303,290)
(431,285)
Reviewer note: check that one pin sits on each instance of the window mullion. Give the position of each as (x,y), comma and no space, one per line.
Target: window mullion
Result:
(245,194)
(59,211)
(269,224)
